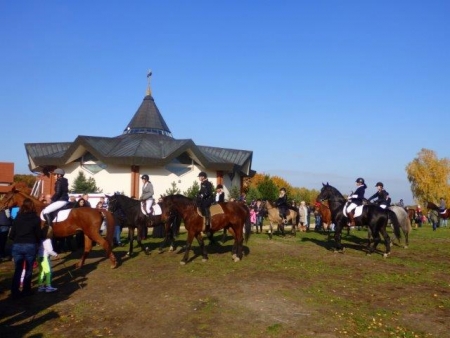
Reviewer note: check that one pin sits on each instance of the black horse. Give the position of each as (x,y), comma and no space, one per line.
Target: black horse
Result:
(136,219)
(373,216)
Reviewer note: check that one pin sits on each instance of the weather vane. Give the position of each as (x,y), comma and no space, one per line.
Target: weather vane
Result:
(149,74)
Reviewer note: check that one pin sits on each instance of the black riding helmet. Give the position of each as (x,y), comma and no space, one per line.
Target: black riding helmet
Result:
(360,180)
(379,184)
(145,177)
(202,174)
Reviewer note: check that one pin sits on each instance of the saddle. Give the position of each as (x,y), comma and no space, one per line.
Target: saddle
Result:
(214,209)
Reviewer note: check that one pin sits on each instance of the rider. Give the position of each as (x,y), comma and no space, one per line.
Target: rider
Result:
(147,194)
(382,196)
(355,199)
(442,206)
(205,198)
(61,196)
(282,204)
(220,195)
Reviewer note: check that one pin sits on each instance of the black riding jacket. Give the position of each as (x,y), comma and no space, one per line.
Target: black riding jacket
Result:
(382,197)
(205,196)
(61,190)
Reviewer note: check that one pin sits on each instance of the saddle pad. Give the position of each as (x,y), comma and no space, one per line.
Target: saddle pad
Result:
(156,210)
(60,216)
(358,210)
(215,209)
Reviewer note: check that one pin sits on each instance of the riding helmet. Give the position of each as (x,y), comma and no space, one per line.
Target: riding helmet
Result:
(59,171)
(145,177)
(202,174)
(360,180)
(283,189)
(219,186)
(379,184)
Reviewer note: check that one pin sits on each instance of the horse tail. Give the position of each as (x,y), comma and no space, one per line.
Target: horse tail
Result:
(110,226)
(396,224)
(247,225)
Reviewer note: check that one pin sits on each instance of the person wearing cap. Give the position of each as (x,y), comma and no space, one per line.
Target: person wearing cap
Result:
(282,204)
(60,198)
(442,206)
(220,195)
(204,200)
(147,194)
(355,199)
(381,196)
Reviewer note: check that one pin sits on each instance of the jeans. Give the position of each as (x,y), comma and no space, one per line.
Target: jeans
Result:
(23,252)
(117,231)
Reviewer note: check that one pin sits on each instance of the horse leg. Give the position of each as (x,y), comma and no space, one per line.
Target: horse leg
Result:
(201,242)
(87,249)
(188,247)
(337,238)
(108,249)
(387,242)
(224,236)
(270,230)
(131,238)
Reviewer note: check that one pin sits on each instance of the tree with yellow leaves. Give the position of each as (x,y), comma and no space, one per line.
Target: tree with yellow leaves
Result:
(429,177)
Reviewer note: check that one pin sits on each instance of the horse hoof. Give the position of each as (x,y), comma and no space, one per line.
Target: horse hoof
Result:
(204,259)
(405,247)
(128,254)
(385,255)
(171,249)
(236,259)
(233,256)
(183,263)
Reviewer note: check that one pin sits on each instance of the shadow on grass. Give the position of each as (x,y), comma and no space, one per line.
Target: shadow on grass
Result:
(20,316)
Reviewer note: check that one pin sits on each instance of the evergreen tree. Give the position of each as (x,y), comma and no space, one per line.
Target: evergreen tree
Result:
(173,190)
(253,194)
(83,185)
(235,192)
(192,192)
(268,189)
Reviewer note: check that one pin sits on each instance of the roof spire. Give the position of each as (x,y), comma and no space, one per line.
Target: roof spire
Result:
(149,74)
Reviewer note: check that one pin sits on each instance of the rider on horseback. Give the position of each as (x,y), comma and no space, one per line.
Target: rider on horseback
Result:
(282,204)
(442,206)
(382,196)
(355,199)
(147,194)
(205,198)
(61,196)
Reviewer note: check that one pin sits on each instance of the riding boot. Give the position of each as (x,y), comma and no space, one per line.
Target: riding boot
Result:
(207,222)
(351,219)
(48,219)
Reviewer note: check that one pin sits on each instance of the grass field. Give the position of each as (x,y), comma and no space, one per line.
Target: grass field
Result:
(284,287)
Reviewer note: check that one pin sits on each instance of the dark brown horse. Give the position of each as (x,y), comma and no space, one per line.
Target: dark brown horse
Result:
(89,220)
(443,215)
(228,215)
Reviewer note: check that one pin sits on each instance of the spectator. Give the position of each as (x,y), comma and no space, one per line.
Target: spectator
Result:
(25,235)
(86,200)
(45,266)
(5,224)
(433,216)
(259,215)
(220,195)
(303,216)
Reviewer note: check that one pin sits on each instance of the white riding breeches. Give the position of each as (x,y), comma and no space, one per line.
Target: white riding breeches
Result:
(54,206)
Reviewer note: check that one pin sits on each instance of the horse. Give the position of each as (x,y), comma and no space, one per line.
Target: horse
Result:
(443,215)
(375,217)
(404,221)
(224,215)
(411,215)
(135,218)
(273,215)
(89,220)
(325,215)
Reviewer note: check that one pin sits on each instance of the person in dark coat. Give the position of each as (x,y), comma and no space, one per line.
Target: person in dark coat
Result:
(205,198)
(26,235)
(381,196)
(355,199)
(220,194)
(282,204)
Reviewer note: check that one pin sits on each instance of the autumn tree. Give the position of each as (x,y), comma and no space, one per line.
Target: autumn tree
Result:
(28,180)
(429,177)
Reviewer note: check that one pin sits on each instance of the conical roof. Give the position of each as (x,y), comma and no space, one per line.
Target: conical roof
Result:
(148,120)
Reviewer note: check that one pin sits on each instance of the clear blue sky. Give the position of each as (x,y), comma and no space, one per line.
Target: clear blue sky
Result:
(320,91)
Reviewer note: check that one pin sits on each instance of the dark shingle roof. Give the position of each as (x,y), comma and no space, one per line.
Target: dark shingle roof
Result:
(147,140)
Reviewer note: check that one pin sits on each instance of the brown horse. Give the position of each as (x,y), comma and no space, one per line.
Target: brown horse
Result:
(324,211)
(228,215)
(89,220)
(443,215)
(273,214)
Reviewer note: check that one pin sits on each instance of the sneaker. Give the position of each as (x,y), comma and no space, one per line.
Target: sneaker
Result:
(50,289)
(41,288)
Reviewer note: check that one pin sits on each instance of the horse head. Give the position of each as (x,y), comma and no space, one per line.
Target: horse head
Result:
(432,206)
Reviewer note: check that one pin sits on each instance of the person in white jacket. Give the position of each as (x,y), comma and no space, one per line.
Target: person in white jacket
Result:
(45,267)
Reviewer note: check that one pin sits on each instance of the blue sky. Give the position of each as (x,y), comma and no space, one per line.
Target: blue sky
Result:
(320,91)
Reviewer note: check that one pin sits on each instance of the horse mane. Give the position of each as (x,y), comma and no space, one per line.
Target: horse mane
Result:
(431,205)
